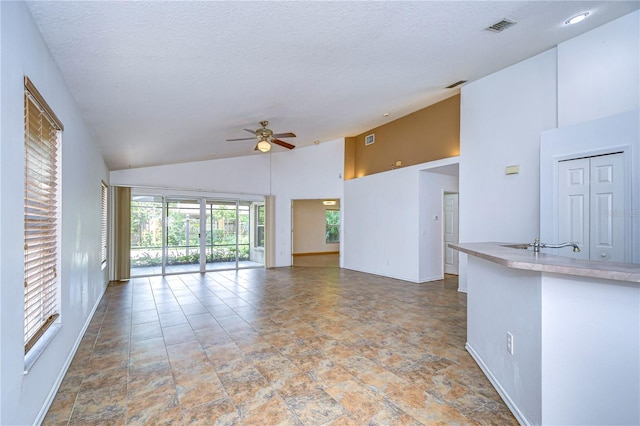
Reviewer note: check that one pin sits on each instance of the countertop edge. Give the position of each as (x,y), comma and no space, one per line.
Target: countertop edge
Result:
(496,252)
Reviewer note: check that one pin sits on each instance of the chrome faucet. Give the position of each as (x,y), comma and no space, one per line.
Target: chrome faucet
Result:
(537,245)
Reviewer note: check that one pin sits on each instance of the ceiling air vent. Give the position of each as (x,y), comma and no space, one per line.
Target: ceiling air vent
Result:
(498,27)
(456,84)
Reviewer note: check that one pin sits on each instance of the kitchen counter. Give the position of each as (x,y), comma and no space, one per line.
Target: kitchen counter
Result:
(554,334)
(519,258)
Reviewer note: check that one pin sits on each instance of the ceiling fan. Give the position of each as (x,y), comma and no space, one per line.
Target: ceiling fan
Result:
(266,137)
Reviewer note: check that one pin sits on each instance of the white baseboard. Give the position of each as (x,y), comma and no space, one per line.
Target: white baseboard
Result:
(67,363)
(520,417)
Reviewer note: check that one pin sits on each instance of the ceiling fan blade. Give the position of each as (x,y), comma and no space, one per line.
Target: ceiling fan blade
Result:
(250,131)
(283,144)
(284,135)
(240,139)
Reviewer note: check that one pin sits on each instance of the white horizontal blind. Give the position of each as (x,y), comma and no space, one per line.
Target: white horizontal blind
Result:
(103,224)
(42,133)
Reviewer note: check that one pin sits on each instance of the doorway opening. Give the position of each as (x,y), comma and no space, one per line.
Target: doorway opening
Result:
(315,232)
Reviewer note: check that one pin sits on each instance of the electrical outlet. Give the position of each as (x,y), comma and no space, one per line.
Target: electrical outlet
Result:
(510,343)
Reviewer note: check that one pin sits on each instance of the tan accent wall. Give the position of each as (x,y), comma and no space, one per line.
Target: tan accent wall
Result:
(349,158)
(429,134)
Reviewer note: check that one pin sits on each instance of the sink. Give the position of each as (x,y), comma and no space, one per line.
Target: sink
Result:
(517,246)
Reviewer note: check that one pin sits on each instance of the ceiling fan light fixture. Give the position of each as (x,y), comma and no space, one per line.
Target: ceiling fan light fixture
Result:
(264,146)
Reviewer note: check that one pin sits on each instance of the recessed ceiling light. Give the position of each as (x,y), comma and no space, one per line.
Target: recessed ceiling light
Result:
(329,202)
(316,142)
(386,114)
(576,19)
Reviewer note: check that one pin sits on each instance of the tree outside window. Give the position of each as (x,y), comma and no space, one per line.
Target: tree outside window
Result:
(332,226)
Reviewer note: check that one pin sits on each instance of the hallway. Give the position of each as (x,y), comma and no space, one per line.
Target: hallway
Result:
(299,346)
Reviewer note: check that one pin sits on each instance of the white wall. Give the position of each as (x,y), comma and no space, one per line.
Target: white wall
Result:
(380,214)
(576,344)
(502,300)
(501,117)
(598,72)
(243,175)
(590,351)
(25,397)
(312,172)
(598,112)
(309,227)
(309,172)
(384,215)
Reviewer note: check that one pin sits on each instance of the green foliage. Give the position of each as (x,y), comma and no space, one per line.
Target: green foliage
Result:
(332,233)
(183,233)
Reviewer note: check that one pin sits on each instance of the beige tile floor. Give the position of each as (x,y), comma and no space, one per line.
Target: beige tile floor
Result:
(286,346)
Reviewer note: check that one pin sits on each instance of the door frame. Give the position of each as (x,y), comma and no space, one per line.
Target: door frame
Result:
(203,198)
(551,233)
(291,212)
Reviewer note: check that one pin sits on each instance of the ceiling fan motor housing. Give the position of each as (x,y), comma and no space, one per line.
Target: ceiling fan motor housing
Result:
(266,135)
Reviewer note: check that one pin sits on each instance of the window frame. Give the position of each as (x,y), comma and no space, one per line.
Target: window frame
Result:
(42,218)
(104,224)
(329,226)
(258,226)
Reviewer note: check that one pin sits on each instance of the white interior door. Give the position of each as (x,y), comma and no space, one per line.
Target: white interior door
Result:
(450,233)
(591,191)
(607,204)
(574,192)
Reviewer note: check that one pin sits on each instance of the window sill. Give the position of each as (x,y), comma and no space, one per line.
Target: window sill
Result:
(32,356)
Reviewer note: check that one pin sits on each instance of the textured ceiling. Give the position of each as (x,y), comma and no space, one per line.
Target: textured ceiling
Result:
(167,82)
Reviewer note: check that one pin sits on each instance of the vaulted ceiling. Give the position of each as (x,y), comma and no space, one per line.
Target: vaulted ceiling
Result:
(168,82)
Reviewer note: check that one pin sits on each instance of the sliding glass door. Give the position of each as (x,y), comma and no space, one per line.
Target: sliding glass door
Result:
(198,235)
(182,249)
(228,229)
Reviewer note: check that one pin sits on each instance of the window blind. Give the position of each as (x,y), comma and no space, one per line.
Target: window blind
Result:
(103,224)
(42,141)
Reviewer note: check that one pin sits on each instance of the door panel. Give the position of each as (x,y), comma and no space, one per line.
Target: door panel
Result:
(182,236)
(607,189)
(573,178)
(577,223)
(221,234)
(450,233)
(146,235)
